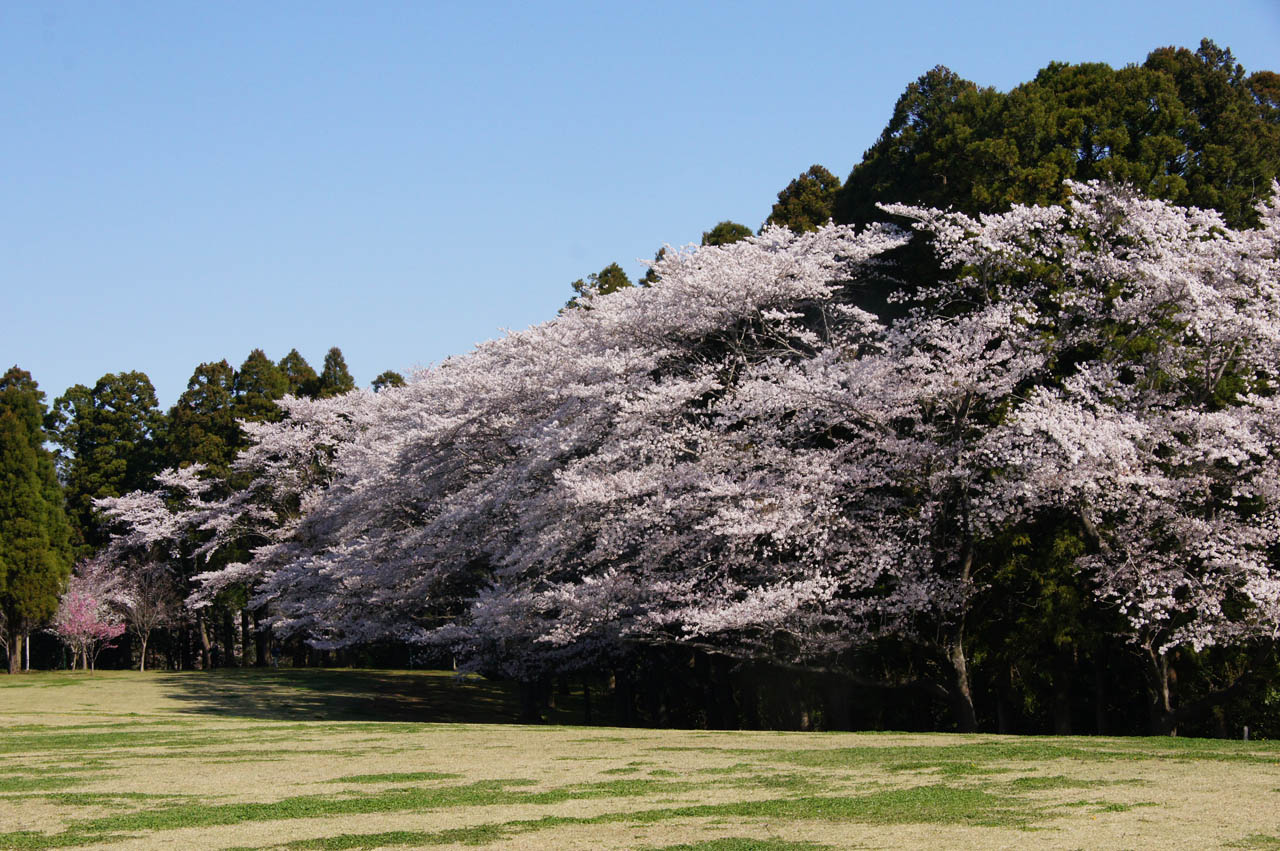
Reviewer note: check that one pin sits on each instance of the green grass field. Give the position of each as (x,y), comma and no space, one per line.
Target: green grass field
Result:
(294,760)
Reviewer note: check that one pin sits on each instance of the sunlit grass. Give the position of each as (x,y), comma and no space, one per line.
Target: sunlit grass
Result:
(304,764)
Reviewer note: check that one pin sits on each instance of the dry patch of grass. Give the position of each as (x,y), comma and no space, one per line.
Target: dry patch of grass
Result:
(202,760)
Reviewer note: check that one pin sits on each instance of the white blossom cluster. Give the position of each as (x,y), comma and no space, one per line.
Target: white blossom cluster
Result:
(739,457)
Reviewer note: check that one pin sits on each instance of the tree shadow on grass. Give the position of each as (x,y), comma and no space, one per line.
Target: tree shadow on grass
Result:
(340,694)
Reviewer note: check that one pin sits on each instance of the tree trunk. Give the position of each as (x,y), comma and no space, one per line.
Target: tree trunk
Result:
(142,655)
(246,637)
(650,697)
(1004,700)
(962,694)
(839,705)
(624,699)
(723,692)
(529,709)
(228,639)
(206,654)
(263,638)
(750,699)
(1163,721)
(713,712)
(586,702)
(15,650)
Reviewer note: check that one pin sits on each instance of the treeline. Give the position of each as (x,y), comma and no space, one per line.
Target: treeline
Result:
(110,439)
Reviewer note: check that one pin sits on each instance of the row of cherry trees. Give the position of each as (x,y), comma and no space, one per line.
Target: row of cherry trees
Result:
(740,461)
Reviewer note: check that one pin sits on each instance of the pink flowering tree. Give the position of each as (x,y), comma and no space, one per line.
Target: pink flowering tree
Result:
(87,619)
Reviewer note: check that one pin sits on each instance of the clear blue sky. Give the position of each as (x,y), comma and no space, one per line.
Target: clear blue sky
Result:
(184,182)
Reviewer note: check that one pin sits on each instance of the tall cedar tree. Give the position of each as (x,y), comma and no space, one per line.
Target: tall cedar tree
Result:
(1234,144)
(35,537)
(301,378)
(334,377)
(258,384)
(806,203)
(107,439)
(202,424)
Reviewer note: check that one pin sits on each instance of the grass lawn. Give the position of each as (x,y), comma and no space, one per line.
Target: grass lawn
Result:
(294,760)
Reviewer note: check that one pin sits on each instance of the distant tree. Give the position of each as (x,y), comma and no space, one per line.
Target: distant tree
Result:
(334,377)
(149,599)
(202,424)
(203,439)
(1186,127)
(107,439)
(390,378)
(87,619)
(725,233)
(608,280)
(165,524)
(806,203)
(1233,146)
(301,378)
(258,384)
(651,274)
(35,536)
(920,156)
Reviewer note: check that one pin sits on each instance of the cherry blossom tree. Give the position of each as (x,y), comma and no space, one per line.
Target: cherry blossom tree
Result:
(148,600)
(454,487)
(1165,444)
(739,459)
(182,522)
(87,619)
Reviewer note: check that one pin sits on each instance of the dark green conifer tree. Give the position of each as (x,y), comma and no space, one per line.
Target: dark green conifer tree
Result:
(390,378)
(35,537)
(724,233)
(301,378)
(610,279)
(202,424)
(1234,140)
(107,439)
(1190,128)
(334,377)
(806,203)
(920,156)
(202,429)
(651,277)
(258,384)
